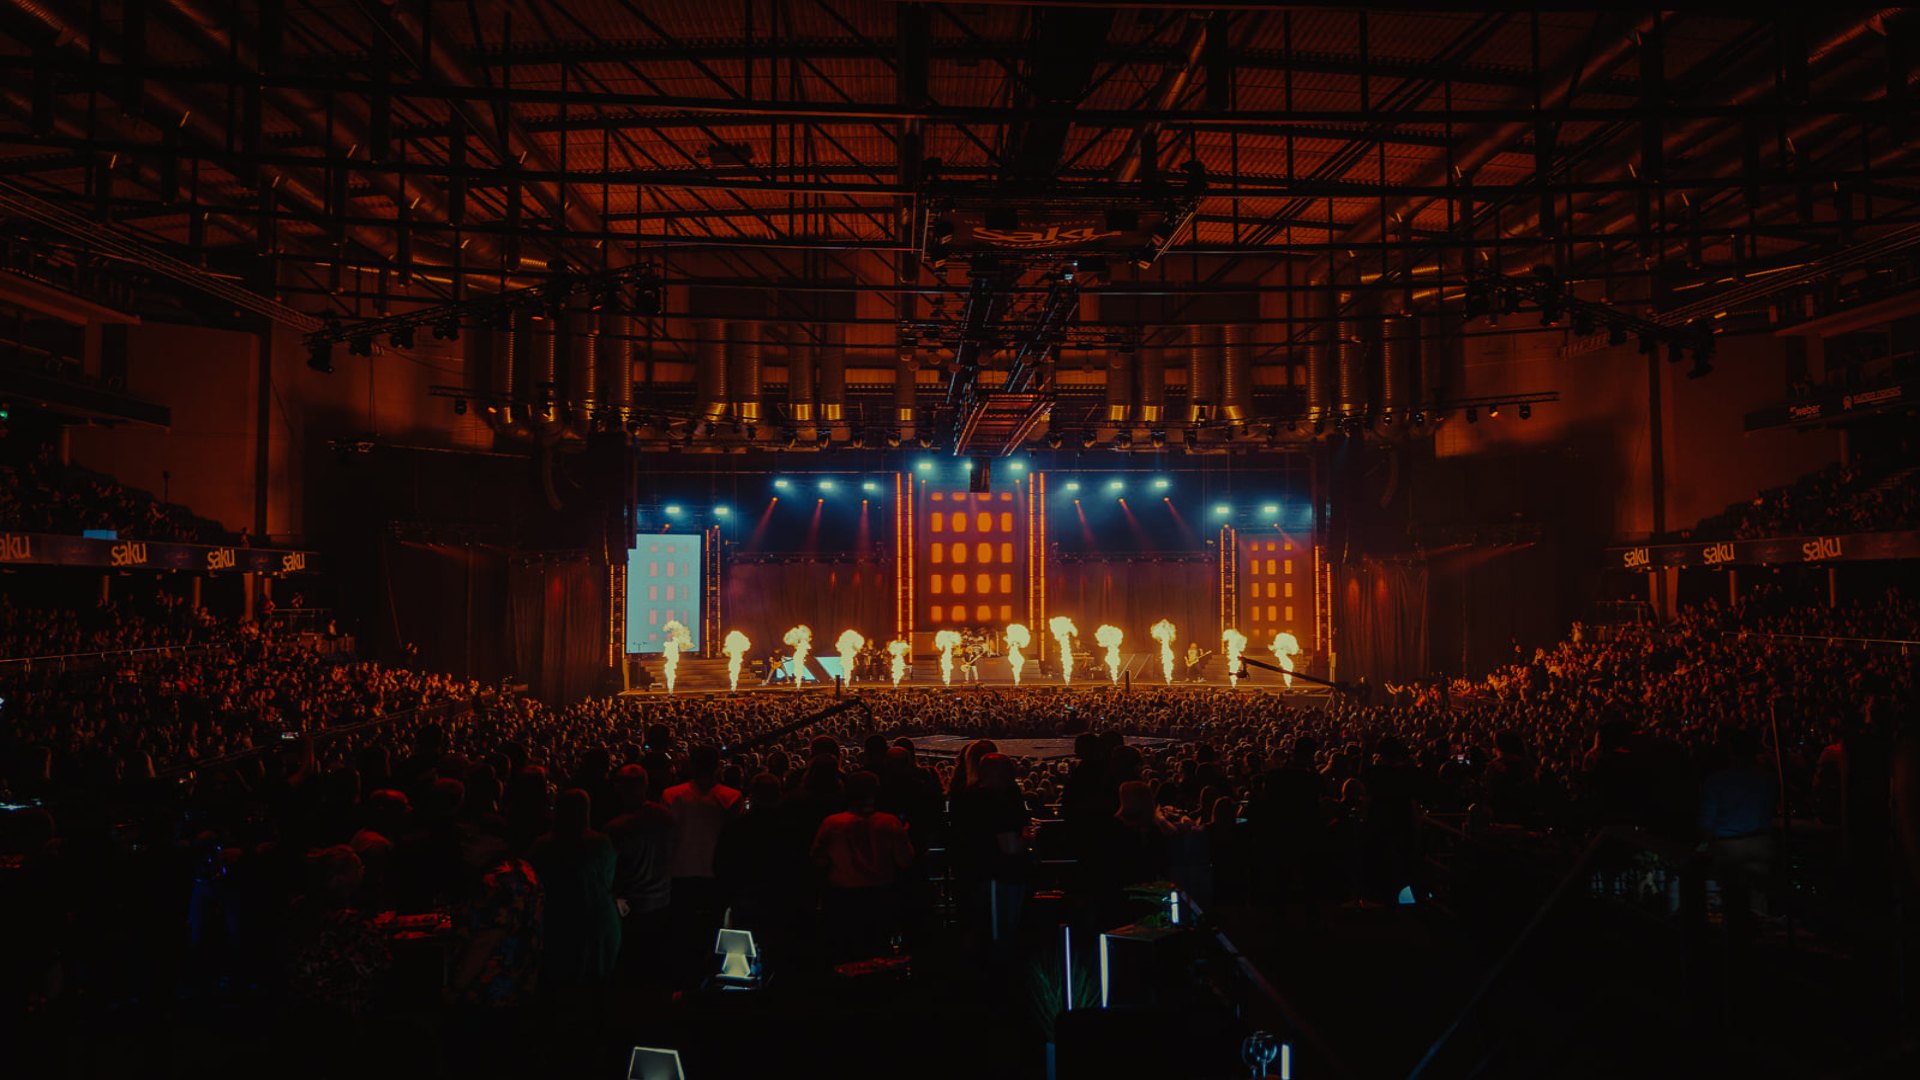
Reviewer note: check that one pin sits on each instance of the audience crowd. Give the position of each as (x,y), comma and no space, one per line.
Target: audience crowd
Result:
(311,823)
(1841,498)
(43,495)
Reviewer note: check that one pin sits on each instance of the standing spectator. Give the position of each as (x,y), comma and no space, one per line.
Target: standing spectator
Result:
(581,928)
(863,852)
(698,809)
(642,836)
(494,966)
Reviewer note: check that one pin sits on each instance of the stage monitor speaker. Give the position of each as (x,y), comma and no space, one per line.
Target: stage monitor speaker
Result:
(982,477)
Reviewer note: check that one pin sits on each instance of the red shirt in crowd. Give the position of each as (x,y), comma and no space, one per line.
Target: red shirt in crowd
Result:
(862,850)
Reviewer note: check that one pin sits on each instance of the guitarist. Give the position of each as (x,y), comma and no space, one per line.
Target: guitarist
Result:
(1196,662)
(970,655)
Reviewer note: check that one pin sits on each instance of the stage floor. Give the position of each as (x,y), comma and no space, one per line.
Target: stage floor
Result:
(1306,693)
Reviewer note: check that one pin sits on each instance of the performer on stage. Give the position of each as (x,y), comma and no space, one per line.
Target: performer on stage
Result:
(971,653)
(1197,663)
(776,670)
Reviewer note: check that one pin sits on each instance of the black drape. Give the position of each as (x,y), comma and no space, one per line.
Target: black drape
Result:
(1382,628)
(765,600)
(445,605)
(557,624)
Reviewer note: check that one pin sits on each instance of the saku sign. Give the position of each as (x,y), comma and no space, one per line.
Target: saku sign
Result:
(48,549)
(1777,551)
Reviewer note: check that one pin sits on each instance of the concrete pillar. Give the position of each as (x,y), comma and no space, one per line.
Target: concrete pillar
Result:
(1833,586)
(106,590)
(193,594)
(1733,585)
(246,595)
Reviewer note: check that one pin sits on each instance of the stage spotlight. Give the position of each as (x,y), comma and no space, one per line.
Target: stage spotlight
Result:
(858,441)
(1493,412)
(1054,440)
(1162,483)
(401,337)
(360,345)
(1271,510)
(1191,437)
(1701,368)
(1616,333)
(1158,439)
(447,328)
(1649,343)
(1419,417)
(723,511)
(869,485)
(1123,441)
(926,442)
(924,466)
(1526,411)
(1087,440)
(320,356)
(1473,415)
(1292,426)
(826,485)
(782,484)
(1676,352)
(1073,485)
(893,440)
(1222,510)
(1116,485)
(674,510)
(1016,465)
(1582,322)
(459,406)
(825,440)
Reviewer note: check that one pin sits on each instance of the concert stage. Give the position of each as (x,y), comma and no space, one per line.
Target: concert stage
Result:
(704,675)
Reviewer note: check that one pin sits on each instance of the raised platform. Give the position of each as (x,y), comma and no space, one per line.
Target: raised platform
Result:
(702,675)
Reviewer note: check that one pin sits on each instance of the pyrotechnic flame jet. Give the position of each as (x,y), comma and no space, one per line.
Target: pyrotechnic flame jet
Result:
(677,637)
(848,646)
(800,638)
(1064,632)
(945,641)
(736,649)
(1285,648)
(899,650)
(1109,638)
(1018,637)
(1236,643)
(1163,633)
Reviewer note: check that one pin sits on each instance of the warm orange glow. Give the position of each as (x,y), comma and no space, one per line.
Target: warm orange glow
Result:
(1163,632)
(1018,637)
(1063,634)
(945,641)
(1109,638)
(1235,643)
(736,650)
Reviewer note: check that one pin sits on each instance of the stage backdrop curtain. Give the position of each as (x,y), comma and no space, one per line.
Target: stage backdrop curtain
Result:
(557,623)
(1382,629)
(1133,594)
(445,608)
(765,600)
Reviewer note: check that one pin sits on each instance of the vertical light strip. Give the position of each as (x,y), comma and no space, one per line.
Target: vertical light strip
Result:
(913,540)
(1040,632)
(899,564)
(617,615)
